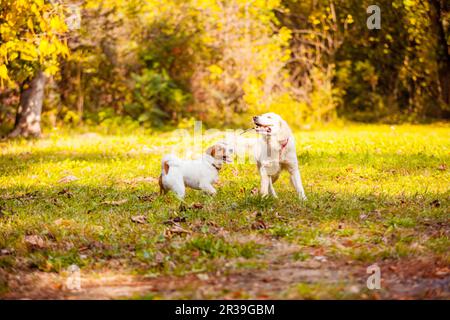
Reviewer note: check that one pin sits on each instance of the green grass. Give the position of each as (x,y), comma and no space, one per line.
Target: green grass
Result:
(375,193)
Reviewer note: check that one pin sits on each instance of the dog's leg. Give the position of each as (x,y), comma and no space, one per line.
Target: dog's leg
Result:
(265,182)
(179,188)
(271,189)
(296,181)
(208,188)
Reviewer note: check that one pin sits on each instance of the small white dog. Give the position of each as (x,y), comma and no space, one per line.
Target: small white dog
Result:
(276,151)
(198,174)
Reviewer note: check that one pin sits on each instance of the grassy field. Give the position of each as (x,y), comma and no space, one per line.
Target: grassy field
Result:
(376,194)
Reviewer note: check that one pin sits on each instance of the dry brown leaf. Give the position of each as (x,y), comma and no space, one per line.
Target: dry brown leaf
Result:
(6,252)
(115,202)
(442,167)
(259,225)
(149,197)
(139,219)
(35,241)
(175,229)
(442,272)
(175,220)
(178,229)
(197,206)
(436,203)
(66,192)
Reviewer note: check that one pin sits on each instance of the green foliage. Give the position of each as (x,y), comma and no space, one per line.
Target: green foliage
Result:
(155,63)
(156,97)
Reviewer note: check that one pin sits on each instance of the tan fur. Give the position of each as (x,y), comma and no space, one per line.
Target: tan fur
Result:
(162,190)
(166,167)
(215,151)
(211,151)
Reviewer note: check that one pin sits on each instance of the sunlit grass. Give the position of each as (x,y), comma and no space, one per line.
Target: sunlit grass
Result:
(375,192)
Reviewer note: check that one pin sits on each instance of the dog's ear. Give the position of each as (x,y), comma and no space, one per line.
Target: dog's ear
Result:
(285,131)
(212,151)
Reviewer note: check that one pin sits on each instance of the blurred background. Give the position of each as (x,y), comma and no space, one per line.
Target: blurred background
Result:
(153,64)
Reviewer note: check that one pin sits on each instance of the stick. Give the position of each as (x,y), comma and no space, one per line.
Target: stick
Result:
(245,131)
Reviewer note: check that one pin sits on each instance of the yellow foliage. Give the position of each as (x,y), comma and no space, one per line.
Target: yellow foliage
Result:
(30,32)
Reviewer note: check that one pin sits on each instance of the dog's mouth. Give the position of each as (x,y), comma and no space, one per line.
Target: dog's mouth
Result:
(263,128)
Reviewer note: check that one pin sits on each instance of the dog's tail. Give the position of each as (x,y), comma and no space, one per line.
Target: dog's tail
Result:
(167,162)
(162,190)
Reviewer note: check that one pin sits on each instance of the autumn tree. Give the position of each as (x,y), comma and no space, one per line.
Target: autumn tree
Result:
(30,45)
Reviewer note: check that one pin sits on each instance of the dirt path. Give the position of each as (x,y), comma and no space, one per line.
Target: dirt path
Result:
(280,279)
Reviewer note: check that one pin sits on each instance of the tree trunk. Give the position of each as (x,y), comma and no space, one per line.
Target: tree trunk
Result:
(28,118)
(443,57)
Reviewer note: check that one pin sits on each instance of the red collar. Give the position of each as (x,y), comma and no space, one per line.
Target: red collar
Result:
(283,146)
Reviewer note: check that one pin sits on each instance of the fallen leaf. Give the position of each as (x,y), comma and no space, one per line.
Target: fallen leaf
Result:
(442,272)
(178,229)
(68,179)
(197,206)
(442,167)
(66,192)
(436,203)
(115,202)
(6,252)
(175,229)
(175,220)
(259,225)
(139,219)
(29,195)
(149,197)
(35,241)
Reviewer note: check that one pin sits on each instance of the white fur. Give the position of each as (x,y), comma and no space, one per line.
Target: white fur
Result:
(275,152)
(200,174)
